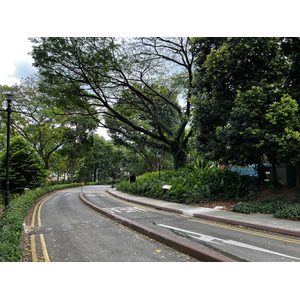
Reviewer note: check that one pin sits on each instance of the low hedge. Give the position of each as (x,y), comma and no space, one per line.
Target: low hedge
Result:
(279,207)
(12,218)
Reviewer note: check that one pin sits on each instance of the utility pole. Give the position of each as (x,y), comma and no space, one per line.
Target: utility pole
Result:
(9,98)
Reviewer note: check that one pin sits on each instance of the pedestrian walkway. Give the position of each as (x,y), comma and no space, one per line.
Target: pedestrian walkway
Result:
(258,221)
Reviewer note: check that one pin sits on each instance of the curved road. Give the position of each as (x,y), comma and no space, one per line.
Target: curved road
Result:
(62,229)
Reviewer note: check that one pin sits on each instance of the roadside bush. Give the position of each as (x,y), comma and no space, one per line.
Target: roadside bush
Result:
(12,218)
(279,207)
(197,185)
(291,212)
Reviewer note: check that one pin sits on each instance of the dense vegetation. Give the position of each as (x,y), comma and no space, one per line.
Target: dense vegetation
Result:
(193,185)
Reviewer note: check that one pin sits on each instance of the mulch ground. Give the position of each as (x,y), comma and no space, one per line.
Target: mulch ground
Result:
(287,192)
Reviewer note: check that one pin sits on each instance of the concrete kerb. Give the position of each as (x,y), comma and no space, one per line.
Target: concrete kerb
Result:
(180,245)
(250,225)
(146,204)
(217,219)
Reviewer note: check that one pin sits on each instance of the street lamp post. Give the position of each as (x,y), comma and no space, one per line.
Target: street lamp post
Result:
(158,156)
(8,97)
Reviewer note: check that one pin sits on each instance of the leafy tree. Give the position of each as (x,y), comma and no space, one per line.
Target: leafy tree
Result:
(79,141)
(59,165)
(139,143)
(238,88)
(26,167)
(45,126)
(98,72)
(97,161)
(36,122)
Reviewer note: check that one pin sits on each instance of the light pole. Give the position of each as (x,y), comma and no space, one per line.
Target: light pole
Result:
(158,156)
(9,97)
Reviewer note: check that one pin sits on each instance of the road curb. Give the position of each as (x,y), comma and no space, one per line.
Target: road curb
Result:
(177,211)
(217,219)
(180,245)
(250,225)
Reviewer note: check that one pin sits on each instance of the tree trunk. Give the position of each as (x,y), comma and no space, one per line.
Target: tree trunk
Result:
(95,174)
(180,157)
(46,162)
(298,174)
(72,165)
(273,172)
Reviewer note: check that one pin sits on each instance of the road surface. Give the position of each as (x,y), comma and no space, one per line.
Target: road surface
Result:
(63,229)
(71,231)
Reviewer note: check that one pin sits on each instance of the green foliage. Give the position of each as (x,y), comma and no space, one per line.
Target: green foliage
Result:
(193,186)
(245,109)
(26,167)
(136,84)
(291,212)
(279,207)
(11,222)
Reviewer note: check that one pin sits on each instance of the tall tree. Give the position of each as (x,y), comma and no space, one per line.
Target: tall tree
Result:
(45,126)
(139,143)
(238,88)
(98,72)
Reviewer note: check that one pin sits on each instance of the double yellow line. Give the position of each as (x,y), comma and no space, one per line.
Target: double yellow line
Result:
(257,233)
(37,211)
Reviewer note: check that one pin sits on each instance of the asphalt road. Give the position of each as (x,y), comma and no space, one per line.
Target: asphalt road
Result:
(67,230)
(236,242)
(63,229)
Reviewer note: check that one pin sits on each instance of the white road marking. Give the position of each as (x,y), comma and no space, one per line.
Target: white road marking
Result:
(127,209)
(211,239)
(67,194)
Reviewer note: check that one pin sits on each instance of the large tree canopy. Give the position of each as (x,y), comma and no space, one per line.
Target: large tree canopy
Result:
(247,100)
(107,74)
(45,126)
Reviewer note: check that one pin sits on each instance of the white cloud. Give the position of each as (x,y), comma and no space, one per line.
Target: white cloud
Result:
(15,61)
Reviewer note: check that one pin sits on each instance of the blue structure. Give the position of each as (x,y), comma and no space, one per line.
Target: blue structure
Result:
(250,170)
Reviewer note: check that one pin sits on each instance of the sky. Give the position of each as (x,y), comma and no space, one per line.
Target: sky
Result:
(15,61)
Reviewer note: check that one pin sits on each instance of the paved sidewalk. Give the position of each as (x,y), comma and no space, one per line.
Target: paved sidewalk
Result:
(257,221)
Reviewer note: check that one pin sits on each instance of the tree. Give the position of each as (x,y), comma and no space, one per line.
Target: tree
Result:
(98,72)
(97,161)
(26,167)
(238,86)
(45,126)
(79,141)
(139,143)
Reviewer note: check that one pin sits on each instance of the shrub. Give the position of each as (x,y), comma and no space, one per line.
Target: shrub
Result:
(291,212)
(279,207)
(195,185)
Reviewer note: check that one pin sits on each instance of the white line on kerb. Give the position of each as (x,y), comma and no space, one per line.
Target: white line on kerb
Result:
(207,238)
